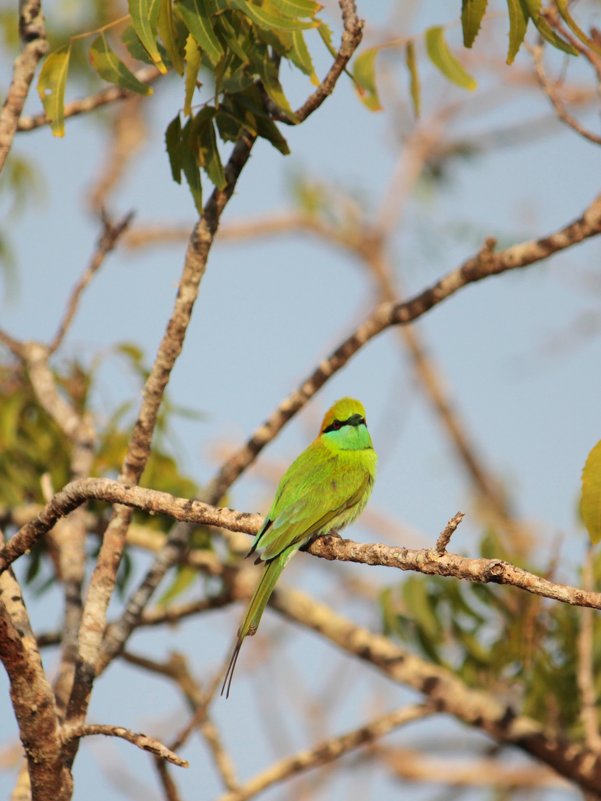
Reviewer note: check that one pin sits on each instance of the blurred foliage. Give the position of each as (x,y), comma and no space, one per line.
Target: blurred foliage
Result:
(33,445)
(516,645)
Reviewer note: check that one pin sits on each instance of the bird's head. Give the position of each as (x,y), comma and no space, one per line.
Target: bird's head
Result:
(344,425)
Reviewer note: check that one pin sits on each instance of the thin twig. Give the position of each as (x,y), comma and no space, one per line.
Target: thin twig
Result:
(113,93)
(552,93)
(198,701)
(328,751)
(445,535)
(108,239)
(32,31)
(142,741)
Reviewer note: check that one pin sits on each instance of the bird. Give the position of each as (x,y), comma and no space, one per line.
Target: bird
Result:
(324,489)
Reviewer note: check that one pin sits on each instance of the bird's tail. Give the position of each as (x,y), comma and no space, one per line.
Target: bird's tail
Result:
(254,612)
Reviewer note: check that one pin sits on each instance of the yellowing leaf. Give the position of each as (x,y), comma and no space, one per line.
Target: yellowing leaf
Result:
(112,69)
(364,73)
(51,87)
(268,17)
(300,55)
(472,12)
(192,67)
(590,500)
(441,57)
(518,22)
(167,32)
(144,18)
(414,86)
(545,30)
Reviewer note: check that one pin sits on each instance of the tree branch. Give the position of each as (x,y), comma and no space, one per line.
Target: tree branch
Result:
(445,691)
(142,741)
(327,751)
(32,697)
(84,105)
(422,560)
(32,30)
(108,239)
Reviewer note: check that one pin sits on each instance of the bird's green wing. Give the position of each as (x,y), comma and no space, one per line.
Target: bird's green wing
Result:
(294,523)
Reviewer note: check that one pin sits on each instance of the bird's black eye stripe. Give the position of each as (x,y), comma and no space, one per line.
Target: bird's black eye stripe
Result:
(334,426)
(354,420)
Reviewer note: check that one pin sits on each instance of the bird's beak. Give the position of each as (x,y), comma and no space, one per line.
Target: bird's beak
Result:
(355,419)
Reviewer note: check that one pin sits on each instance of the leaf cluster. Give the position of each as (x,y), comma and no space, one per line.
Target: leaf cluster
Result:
(33,445)
(500,639)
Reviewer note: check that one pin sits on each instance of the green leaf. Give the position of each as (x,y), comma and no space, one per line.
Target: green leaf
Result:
(267,16)
(166,29)
(545,30)
(112,69)
(326,34)
(172,143)
(301,56)
(590,500)
(441,57)
(51,87)
(269,78)
(196,16)
(192,52)
(414,85)
(562,7)
(267,129)
(472,12)
(208,154)
(518,23)
(188,159)
(144,17)
(364,73)
(297,8)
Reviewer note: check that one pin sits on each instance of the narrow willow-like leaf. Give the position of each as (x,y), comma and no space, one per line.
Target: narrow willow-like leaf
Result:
(297,8)
(267,70)
(301,56)
(326,34)
(268,17)
(518,23)
(441,57)
(196,16)
(144,17)
(173,144)
(51,87)
(590,500)
(364,73)
(210,158)
(267,129)
(472,13)
(189,161)
(112,69)
(414,85)
(167,31)
(192,53)
(564,10)
(545,30)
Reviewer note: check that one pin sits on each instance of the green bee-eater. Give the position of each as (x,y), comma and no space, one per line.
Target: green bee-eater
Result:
(323,490)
